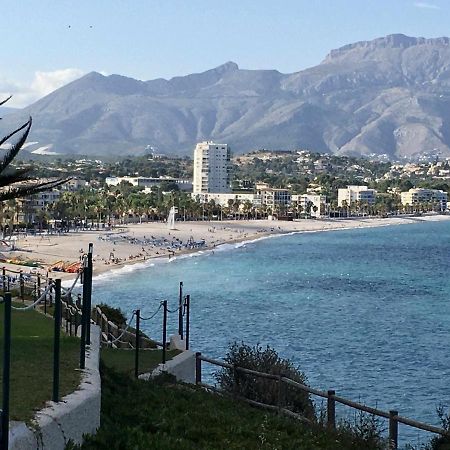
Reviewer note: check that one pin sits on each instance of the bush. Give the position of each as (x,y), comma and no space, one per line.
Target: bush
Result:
(115,315)
(261,389)
(363,430)
(441,442)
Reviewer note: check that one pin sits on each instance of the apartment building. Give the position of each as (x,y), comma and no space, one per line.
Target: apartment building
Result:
(419,195)
(352,194)
(314,203)
(211,168)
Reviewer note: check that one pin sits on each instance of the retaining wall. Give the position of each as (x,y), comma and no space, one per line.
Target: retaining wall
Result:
(181,366)
(76,414)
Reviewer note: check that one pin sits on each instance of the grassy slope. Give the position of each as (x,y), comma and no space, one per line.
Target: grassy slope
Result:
(163,415)
(123,360)
(32,362)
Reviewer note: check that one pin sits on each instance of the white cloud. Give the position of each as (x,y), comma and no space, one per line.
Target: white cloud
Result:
(426,5)
(42,84)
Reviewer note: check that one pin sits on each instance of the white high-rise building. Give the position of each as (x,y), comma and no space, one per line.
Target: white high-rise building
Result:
(211,168)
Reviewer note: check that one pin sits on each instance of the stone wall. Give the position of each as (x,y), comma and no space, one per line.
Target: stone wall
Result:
(76,414)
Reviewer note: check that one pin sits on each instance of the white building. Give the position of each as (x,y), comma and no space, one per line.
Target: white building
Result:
(315,203)
(418,195)
(30,207)
(273,197)
(211,168)
(352,194)
(148,182)
(223,199)
(74,184)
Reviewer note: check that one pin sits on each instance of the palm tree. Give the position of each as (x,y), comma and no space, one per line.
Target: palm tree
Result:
(16,183)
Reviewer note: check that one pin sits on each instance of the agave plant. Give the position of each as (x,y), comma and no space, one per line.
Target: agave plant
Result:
(16,183)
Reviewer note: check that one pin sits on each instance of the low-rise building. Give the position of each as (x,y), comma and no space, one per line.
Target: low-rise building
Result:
(74,184)
(273,197)
(352,194)
(224,198)
(420,195)
(149,182)
(315,204)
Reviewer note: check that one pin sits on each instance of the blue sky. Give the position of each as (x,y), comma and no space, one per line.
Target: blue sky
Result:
(47,43)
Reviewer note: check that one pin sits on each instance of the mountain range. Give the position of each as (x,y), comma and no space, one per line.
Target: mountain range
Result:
(389,96)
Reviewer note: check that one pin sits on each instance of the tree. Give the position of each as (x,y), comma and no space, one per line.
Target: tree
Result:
(16,183)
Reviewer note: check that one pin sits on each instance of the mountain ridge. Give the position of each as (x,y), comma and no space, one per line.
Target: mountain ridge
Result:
(389,96)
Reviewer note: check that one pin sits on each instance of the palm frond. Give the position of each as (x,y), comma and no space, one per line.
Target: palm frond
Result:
(4,101)
(31,189)
(17,176)
(12,152)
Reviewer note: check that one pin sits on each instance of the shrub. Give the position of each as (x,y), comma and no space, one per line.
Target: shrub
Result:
(365,430)
(441,442)
(261,389)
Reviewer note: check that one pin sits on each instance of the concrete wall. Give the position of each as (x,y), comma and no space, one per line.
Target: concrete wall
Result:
(78,413)
(182,366)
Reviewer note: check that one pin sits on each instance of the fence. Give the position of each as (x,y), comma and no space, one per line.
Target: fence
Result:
(46,294)
(29,287)
(127,337)
(330,396)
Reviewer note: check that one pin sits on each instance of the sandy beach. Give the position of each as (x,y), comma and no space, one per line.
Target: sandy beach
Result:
(133,243)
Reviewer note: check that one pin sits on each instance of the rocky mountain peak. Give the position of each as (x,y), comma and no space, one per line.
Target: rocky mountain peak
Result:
(391,41)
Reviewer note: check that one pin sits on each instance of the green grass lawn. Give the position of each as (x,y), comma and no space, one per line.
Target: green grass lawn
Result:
(123,360)
(161,414)
(32,362)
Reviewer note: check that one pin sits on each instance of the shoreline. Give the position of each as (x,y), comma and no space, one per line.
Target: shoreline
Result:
(142,243)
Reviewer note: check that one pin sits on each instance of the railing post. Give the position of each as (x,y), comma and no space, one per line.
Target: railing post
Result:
(6,372)
(138,339)
(198,368)
(331,410)
(280,393)
(164,332)
(180,311)
(88,282)
(188,306)
(45,297)
(393,430)
(83,321)
(56,340)
(38,286)
(21,287)
(4,280)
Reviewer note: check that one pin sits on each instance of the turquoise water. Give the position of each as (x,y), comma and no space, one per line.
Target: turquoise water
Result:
(365,311)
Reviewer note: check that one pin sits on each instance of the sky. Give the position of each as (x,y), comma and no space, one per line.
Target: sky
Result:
(48,43)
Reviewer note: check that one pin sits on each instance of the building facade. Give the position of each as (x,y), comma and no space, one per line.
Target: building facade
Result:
(223,199)
(273,197)
(352,194)
(211,168)
(418,195)
(148,182)
(315,204)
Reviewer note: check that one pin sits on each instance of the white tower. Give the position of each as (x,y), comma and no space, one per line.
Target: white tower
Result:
(211,168)
(171,219)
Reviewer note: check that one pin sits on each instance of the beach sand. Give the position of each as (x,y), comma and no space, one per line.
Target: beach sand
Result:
(132,243)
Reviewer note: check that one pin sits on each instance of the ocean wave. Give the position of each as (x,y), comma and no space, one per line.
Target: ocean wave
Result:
(127,269)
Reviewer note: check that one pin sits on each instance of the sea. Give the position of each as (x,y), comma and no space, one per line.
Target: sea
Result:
(363,311)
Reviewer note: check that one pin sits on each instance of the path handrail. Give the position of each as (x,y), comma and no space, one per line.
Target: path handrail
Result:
(332,398)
